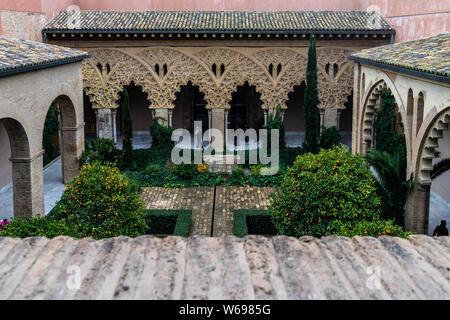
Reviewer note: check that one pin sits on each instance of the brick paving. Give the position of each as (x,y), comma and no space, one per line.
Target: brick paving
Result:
(211,206)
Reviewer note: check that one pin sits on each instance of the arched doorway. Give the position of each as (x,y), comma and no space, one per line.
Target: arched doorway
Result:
(190,106)
(294,116)
(346,121)
(90,122)
(141,115)
(245,109)
(26,173)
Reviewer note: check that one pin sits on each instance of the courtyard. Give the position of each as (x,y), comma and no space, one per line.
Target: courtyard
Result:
(222,154)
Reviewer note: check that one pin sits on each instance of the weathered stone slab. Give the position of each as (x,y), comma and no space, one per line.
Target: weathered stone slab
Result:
(225,268)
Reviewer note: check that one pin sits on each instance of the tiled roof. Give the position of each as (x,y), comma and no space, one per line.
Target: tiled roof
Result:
(218,21)
(18,55)
(430,55)
(225,268)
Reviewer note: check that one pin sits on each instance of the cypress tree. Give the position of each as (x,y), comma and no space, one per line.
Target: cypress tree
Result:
(127,130)
(311,101)
(387,138)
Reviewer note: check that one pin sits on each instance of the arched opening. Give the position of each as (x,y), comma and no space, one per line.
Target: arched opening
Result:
(245,111)
(345,121)
(90,123)
(420,112)
(440,187)
(69,128)
(429,199)
(294,117)
(410,110)
(141,116)
(26,174)
(190,106)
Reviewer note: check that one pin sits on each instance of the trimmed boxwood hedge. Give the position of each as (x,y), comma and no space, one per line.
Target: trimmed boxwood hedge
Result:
(169,222)
(247,222)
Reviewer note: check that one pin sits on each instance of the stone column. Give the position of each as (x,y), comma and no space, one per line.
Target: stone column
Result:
(114,124)
(105,123)
(28,186)
(218,122)
(163,114)
(169,113)
(331,117)
(417,208)
(72,145)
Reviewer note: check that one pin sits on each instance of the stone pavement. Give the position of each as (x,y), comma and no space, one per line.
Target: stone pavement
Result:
(254,267)
(212,207)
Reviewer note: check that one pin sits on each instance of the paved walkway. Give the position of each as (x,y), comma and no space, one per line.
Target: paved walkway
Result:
(53,190)
(212,207)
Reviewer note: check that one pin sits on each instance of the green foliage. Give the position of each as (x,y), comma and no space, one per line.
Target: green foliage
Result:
(169,222)
(161,137)
(274,121)
(127,156)
(322,191)
(247,222)
(311,101)
(375,228)
(51,128)
(330,138)
(37,227)
(440,167)
(387,138)
(237,177)
(392,182)
(102,150)
(101,202)
(153,170)
(186,171)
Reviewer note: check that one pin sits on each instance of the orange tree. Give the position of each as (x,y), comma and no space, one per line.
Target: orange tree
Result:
(325,193)
(101,202)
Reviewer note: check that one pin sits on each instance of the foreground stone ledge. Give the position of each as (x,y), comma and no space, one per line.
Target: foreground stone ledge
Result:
(200,267)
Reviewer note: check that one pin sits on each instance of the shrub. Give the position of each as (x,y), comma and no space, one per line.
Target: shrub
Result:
(247,222)
(330,137)
(37,227)
(169,222)
(101,149)
(321,189)
(101,202)
(238,173)
(202,168)
(375,228)
(161,137)
(153,170)
(185,171)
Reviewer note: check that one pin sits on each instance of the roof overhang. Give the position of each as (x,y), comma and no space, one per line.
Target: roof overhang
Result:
(407,71)
(35,67)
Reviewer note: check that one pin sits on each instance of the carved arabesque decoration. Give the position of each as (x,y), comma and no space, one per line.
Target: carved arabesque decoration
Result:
(161,71)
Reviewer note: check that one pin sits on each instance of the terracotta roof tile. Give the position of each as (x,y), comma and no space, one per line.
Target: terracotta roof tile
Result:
(429,55)
(18,55)
(219,21)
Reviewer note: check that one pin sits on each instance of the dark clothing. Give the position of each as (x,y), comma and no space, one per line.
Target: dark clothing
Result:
(440,231)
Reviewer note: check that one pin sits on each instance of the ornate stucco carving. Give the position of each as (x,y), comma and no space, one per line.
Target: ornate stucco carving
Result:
(161,71)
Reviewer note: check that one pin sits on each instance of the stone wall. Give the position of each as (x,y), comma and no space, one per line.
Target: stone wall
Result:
(23,25)
(26,98)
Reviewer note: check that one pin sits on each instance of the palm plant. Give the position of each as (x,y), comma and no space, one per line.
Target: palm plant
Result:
(392,180)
